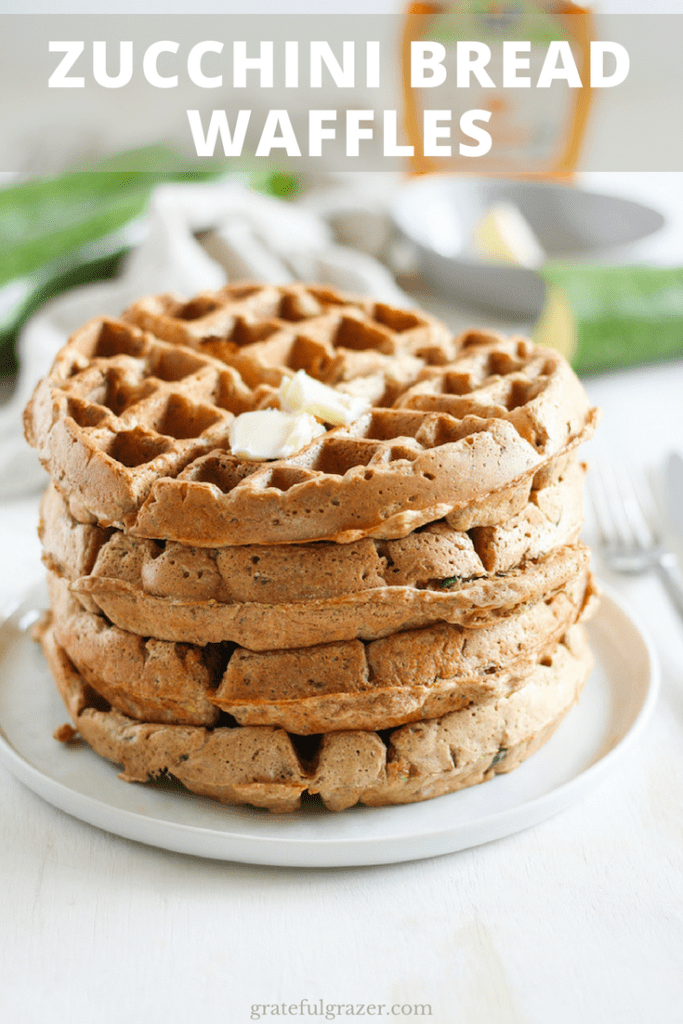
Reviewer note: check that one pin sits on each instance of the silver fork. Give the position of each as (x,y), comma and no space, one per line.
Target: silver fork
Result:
(628,535)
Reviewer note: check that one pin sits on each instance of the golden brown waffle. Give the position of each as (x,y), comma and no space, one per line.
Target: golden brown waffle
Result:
(121,409)
(404,677)
(269,597)
(364,615)
(268,331)
(265,767)
(136,428)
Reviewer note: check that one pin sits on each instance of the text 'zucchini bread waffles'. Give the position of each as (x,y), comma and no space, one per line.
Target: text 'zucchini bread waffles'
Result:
(303,543)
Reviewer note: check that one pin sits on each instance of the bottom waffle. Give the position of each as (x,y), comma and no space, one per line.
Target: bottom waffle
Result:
(266,767)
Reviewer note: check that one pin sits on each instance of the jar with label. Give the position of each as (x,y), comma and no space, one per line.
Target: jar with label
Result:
(488,62)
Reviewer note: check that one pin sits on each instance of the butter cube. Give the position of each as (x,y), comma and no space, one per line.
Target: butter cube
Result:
(302,393)
(272,434)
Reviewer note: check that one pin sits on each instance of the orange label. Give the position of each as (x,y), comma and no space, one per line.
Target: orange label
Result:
(491,57)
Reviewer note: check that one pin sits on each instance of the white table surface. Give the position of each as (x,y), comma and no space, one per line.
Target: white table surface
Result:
(579,919)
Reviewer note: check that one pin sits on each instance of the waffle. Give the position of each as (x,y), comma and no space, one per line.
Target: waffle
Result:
(350,684)
(266,767)
(135,427)
(391,613)
(364,615)
(266,598)
(264,331)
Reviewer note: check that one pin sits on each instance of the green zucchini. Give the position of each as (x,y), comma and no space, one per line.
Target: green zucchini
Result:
(604,318)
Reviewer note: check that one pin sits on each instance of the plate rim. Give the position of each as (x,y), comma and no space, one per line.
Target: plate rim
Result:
(286,851)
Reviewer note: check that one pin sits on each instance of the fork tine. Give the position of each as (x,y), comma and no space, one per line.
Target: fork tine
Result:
(627,533)
(600,507)
(619,513)
(614,527)
(641,526)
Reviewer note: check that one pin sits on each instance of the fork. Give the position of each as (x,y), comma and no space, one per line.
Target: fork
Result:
(629,536)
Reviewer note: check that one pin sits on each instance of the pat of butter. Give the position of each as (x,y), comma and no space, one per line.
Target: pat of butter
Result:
(304,394)
(505,236)
(272,434)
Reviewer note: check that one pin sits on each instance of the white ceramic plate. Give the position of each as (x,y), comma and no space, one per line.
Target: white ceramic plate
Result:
(613,709)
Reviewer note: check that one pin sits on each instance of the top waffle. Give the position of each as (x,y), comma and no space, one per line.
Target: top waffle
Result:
(133,420)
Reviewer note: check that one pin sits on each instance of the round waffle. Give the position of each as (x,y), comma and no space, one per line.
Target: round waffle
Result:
(269,597)
(266,767)
(136,427)
(350,684)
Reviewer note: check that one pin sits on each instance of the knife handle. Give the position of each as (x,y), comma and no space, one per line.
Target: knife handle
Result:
(667,564)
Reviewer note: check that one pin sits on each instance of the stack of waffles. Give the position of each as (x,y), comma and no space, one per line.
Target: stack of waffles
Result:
(391,613)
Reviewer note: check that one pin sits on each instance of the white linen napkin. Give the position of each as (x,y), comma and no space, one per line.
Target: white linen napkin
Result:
(242,235)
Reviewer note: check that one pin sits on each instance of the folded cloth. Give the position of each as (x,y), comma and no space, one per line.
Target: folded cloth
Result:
(197,236)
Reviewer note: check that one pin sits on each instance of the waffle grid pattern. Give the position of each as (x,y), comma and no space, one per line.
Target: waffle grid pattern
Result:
(138,426)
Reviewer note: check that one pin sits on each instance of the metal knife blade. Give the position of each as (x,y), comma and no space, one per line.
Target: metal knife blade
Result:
(674,491)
